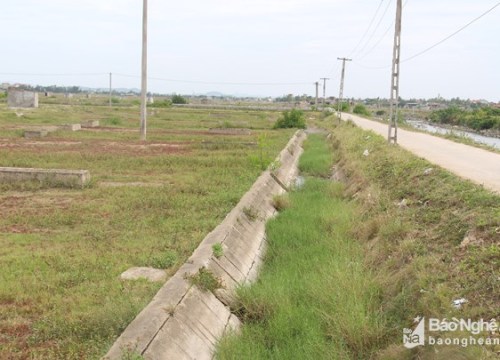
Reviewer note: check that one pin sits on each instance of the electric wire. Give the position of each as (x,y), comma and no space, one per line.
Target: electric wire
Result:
(218,82)
(381,38)
(376,27)
(367,29)
(451,35)
(435,44)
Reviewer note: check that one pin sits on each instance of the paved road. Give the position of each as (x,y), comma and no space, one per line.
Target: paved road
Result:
(477,165)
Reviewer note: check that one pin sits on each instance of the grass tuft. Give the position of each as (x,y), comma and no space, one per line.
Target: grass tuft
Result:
(206,280)
(281,202)
(218,250)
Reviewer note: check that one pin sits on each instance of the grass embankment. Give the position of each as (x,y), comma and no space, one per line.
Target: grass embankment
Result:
(150,204)
(412,238)
(430,236)
(315,298)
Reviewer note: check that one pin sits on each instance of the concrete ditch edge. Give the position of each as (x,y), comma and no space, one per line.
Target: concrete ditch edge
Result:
(184,322)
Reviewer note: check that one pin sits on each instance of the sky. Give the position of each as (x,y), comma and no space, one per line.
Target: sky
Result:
(258,47)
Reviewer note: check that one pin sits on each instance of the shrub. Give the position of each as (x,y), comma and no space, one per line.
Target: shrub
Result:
(291,119)
(178,99)
(360,109)
(344,107)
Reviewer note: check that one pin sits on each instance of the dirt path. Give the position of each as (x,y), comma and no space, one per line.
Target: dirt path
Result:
(477,165)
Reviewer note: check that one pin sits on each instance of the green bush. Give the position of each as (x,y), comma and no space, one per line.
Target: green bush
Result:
(344,107)
(360,109)
(291,119)
(477,119)
(178,99)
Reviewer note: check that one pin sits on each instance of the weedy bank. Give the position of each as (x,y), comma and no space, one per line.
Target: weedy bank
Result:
(149,204)
(430,236)
(402,238)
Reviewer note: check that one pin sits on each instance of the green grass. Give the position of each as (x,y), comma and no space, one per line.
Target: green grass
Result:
(205,280)
(62,250)
(317,158)
(315,299)
(218,250)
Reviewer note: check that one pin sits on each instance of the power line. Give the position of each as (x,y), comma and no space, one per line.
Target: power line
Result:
(376,27)
(217,82)
(47,74)
(381,38)
(367,29)
(434,45)
(162,79)
(453,34)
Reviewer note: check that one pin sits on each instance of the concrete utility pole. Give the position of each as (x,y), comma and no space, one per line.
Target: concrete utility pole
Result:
(396,55)
(341,92)
(324,89)
(110,88)
(317,90)
(144,81)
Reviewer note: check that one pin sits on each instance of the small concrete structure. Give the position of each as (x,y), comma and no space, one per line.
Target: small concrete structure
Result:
(53,177)
(18,98)
(90,124)
(151,274)
(230,131)
(32,134)
(71,127)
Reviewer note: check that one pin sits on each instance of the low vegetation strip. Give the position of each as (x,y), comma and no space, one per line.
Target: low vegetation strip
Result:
(315,298)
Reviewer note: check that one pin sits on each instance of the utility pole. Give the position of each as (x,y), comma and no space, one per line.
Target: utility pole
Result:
(341,92)
(144,75)
(317,86)
(396,55)
(324,89)
(110,88)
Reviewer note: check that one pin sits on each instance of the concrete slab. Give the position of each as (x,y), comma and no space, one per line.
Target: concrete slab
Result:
(33,134)
(90,124)
(147,273)
(52,177)
(71,127)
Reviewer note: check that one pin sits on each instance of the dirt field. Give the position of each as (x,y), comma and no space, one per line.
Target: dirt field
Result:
(148,204)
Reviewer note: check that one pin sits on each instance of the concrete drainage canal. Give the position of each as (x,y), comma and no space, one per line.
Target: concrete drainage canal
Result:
(184,321)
